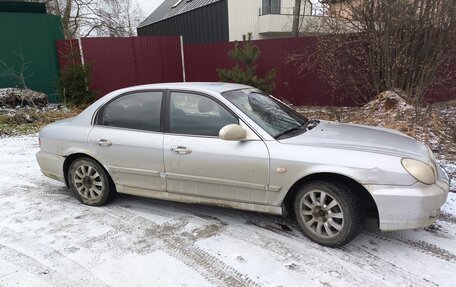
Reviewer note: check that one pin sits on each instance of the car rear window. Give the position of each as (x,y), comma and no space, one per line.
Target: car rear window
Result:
(139,111)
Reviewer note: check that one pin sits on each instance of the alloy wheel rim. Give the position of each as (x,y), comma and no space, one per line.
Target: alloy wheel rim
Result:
(88,182)
(322,214)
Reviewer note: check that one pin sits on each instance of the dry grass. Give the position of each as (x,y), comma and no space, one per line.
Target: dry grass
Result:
(27,121)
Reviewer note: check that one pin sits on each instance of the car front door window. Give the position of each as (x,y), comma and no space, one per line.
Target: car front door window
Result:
(193,114)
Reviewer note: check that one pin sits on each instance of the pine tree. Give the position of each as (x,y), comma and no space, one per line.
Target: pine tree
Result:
(245,56)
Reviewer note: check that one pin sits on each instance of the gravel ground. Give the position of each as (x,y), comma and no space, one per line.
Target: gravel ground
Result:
(47,238)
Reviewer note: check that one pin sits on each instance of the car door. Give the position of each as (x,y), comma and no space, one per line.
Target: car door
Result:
(127,138)
(199,163)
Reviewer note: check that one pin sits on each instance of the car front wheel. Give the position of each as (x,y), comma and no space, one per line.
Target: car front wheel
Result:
(90,182)
(328,213)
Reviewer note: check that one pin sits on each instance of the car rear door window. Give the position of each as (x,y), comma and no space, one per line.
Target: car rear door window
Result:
(139,111)
(197,115)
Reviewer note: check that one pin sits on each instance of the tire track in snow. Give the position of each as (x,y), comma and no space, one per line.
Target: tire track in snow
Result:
(314,255)
(306,261)
(56,193)
(28,264)
(40,259)
(387,267)
(210,267)
(126,235)
(420,245)
(180,244)
(447,217)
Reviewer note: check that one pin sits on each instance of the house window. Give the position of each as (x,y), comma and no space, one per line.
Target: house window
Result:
(271,7)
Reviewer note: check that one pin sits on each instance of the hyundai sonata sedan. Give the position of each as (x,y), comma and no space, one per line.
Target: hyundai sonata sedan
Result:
(234,146)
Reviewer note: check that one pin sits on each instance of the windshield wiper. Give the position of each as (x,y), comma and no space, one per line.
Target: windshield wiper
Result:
(291,130)
(311,124)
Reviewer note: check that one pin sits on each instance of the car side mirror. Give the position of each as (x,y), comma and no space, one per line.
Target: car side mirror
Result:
(232,132)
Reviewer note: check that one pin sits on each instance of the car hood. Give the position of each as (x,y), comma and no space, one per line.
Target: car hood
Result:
(361,138)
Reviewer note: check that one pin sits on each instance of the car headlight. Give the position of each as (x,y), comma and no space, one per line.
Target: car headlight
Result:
(423,172)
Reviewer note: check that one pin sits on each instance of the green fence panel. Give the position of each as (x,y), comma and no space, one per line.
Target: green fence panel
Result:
(27,46)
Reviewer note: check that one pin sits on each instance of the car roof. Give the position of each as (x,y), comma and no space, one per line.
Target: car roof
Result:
(203,87)
(196,86)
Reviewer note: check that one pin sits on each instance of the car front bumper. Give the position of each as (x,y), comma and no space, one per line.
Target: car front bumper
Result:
(407,207)
(51,165)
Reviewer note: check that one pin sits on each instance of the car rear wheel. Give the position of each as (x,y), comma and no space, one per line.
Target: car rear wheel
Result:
(328,213)
(90,182)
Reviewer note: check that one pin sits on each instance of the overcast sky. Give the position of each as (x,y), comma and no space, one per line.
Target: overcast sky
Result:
(148,6)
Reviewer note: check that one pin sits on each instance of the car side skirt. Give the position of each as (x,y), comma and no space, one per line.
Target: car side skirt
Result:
(199,200)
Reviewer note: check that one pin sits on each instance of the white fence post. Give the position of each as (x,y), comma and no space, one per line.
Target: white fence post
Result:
(81,52)
(182,57)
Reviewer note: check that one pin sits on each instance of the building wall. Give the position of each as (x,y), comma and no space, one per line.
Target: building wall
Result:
(207,24)
(244,17)
(31,36)
(343,9)
(288,6)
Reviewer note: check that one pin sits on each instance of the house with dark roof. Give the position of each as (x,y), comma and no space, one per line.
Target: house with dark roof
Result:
(206,21)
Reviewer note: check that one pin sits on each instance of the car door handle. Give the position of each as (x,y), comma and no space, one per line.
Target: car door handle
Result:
(181,150)
(104,142)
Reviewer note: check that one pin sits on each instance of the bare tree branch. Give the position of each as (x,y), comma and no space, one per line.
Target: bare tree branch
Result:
(372,46)
(82,18)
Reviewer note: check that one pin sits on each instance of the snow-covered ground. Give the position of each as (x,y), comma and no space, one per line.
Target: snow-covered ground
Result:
(450,168)
(47,238)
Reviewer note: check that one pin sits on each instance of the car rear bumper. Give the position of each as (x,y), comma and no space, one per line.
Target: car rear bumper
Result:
(407,207)
(51,165)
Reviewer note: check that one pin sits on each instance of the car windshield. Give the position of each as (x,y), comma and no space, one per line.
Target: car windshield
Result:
(273,116)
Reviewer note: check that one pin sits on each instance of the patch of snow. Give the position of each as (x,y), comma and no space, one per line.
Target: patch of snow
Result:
(16,97)
(450,168)
(450,207)
(162,270)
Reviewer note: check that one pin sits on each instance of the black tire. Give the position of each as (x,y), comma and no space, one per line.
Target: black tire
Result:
(332,225)
(96,187)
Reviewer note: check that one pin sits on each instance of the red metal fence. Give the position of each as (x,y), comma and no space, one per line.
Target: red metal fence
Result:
(122,62)
(202,61)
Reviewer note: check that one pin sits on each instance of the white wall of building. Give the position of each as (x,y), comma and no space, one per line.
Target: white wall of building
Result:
(244,17)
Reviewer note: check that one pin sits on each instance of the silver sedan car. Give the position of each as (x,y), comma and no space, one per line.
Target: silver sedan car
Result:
(234,146)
